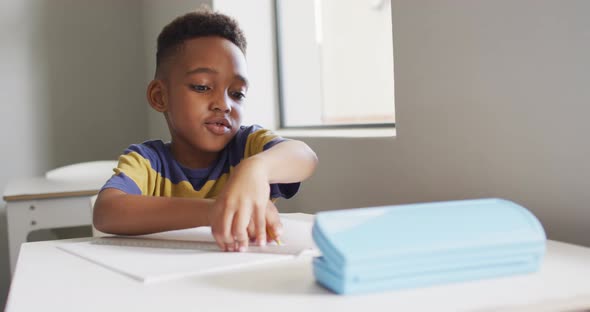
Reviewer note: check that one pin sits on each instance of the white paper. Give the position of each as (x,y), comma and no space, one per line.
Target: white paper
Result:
(176,254)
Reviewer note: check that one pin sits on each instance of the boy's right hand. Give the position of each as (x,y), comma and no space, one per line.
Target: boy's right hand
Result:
(272,221)
(243,198)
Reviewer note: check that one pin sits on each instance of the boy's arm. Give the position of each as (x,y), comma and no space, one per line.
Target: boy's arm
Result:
(286,162)
(246,193)
(117,212)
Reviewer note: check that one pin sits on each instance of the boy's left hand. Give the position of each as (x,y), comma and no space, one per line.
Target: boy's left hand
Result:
(273,224)
(244,198)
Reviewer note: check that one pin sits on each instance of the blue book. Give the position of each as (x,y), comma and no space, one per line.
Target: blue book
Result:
(407,246)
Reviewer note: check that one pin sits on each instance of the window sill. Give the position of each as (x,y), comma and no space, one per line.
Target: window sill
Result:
(338,133)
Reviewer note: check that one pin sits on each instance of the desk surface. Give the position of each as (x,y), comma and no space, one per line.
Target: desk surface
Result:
(42,188)
(47,278)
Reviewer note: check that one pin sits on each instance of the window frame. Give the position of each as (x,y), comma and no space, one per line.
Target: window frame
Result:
(280,96)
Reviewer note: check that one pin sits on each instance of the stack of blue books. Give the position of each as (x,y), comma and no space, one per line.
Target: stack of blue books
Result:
(407,246)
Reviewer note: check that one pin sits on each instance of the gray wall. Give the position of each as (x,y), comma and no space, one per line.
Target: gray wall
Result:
(491,100)
(71,79)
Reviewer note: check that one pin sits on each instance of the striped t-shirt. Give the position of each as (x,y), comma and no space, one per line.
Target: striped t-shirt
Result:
(150,169)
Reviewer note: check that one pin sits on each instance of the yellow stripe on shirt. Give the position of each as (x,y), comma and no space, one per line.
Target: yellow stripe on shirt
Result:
(152,183)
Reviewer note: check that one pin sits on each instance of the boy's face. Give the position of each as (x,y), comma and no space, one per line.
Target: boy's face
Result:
(206,87)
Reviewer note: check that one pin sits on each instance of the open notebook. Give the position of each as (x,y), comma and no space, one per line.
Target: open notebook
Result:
(177,254)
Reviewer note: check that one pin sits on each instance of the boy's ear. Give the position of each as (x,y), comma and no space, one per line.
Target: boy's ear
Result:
(157,95)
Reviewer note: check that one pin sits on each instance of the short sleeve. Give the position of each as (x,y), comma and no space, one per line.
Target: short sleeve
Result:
(256,139)
(134,173)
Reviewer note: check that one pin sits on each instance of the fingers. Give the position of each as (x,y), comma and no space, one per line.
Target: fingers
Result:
(239,231)
(233,230)
(251,231)
(273,222)
(275,232)
(259,217)
(222,232)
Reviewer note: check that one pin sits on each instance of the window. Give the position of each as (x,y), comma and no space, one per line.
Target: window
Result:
(335,61)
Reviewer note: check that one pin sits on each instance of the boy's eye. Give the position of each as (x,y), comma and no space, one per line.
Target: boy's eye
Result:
(238,95)
(200,88)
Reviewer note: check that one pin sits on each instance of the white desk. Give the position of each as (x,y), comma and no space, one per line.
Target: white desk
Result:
(47,278)
(41,203)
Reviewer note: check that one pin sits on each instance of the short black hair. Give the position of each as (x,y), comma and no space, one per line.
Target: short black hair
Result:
(201,23)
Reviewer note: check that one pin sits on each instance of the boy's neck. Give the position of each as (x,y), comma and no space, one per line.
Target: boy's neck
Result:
(191,158)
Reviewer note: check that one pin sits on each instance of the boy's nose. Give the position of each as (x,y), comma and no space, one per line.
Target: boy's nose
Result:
(222,104)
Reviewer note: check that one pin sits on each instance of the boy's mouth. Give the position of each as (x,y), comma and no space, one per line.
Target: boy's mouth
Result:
(218,126)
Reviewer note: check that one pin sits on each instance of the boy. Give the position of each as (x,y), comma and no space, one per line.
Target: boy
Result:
(214,171)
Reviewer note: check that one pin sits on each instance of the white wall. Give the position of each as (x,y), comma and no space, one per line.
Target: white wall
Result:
(72,89)
(491,100)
